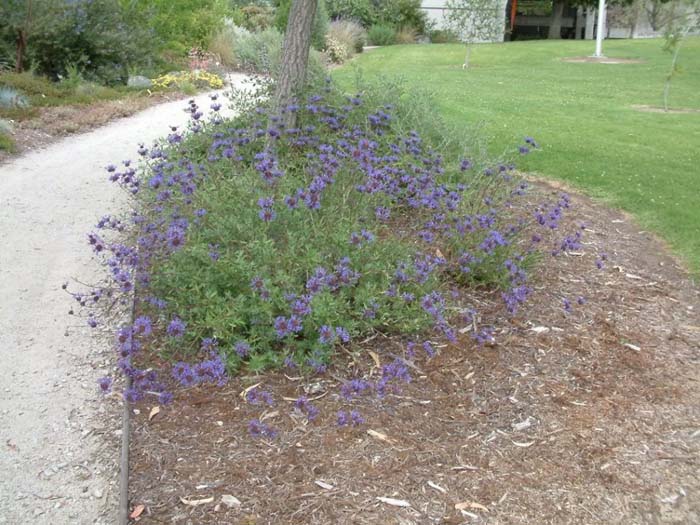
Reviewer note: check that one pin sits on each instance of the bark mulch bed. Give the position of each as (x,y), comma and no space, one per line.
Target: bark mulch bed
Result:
(590,417)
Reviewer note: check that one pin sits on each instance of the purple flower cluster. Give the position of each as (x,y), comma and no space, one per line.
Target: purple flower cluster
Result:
(355,388)
(304,406)
(285,326)
(258,429)
(353,418)
(267,211)
(211,370)
(393,375)
(257,396)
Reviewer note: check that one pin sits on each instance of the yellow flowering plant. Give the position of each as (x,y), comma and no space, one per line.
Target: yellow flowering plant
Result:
(197,78)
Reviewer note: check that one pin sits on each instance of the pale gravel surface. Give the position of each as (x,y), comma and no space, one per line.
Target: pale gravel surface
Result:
(59,441)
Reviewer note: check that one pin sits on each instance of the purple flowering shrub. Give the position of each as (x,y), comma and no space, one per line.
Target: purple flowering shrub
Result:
(258,245)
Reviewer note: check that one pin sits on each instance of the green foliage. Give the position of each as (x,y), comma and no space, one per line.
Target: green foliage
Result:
(475,20)
(6,142)
(96,37)
(213,295)
(222,44)
(443,36)
(403,13)
(182,24)
(254,17)
(259,52)
(360,10)
(34,86)
(21,19)
(318,29)
(394,13)
(73,77)
(381,35)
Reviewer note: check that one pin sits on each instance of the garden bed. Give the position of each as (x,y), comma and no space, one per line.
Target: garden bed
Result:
(55,122)
(580,417)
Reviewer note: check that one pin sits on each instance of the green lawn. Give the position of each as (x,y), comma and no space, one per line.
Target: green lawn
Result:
(581,114)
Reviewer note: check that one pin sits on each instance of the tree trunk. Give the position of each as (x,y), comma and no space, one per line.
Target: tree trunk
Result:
(634,18)
(467,56)
(577,23)
(22,39)
(295,56)
(21,47)
(555,23)
(590,23)
(671,74)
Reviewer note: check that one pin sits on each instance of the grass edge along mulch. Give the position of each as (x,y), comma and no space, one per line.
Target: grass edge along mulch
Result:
(582,115)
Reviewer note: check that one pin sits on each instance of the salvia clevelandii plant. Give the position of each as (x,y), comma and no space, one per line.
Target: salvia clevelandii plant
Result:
(253,245)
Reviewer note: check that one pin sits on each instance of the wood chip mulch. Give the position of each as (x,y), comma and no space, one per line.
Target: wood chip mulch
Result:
(587,417)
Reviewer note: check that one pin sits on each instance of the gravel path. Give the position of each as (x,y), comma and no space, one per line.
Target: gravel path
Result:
(58,440)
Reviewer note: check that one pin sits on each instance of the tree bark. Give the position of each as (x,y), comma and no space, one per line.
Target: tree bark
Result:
(22,39)
(590,23)
(467,56)
(555,23)
(295,56)
(21,47)
(634,18)
(577,23)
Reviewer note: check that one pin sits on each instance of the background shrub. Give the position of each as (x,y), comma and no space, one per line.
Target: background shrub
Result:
(344,39)
(361,10)
(97,37)
(406,35)
(182,24)
(5,126)
(223,42)
(403,13)
(254,17)
(11,98)
(443,36)
(258,51)
(31,84)
(381,35)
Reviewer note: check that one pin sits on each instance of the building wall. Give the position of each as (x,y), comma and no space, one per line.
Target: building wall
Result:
(634,21)
(622,22)
(436,11)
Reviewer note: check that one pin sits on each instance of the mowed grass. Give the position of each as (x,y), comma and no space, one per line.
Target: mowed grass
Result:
(581,114)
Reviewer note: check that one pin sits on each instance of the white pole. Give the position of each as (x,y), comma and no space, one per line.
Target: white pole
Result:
(601,29)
